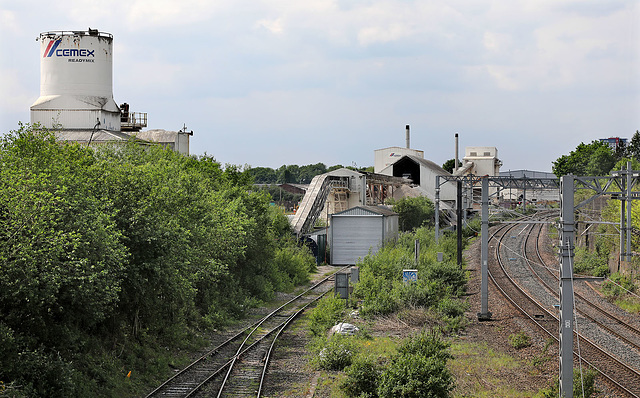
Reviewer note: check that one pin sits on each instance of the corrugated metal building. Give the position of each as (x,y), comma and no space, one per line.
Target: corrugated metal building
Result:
(356,231)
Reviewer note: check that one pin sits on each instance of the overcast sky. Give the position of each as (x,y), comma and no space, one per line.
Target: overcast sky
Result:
(267,83)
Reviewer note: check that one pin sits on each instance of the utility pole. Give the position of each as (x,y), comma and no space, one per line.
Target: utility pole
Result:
(459,222)
(484,314)
(567,238)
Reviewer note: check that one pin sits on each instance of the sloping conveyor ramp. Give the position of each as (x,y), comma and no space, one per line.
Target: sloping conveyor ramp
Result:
(312,204)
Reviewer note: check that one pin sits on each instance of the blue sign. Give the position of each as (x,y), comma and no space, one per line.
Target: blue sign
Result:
(409,275)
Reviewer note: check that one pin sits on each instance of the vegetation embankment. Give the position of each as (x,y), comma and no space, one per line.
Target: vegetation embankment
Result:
(598,248)
(111,259)
(432,361)
(379,365)
(598,254)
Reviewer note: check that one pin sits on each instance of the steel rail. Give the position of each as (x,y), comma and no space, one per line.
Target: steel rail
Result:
(553,335)
(214,351)
(286,324)
(584,300)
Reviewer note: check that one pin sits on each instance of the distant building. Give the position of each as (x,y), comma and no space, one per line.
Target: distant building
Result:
(480,161)
(531,195)
(614,142)
(385,157)
(527,174)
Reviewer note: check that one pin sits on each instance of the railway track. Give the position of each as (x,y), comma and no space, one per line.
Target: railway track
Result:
(511,273)
(587,307)
(237,366)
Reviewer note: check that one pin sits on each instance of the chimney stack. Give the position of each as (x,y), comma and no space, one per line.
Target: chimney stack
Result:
(455,165)
(408,139)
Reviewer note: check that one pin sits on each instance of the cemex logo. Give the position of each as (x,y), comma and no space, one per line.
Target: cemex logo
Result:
(52,48)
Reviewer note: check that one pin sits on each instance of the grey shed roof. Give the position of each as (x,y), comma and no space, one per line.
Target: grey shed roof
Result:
(367,210)
(85,135)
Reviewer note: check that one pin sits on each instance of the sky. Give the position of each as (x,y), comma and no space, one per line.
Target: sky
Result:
(280,82)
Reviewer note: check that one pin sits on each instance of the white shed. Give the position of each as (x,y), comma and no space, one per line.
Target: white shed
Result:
(356,231)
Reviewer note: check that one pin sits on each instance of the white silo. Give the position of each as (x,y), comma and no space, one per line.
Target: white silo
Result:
(76,82)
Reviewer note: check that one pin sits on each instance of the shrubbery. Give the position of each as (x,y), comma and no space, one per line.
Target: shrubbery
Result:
(591,263)
(418,369)
(587,380)
(336,352)
(618,285)
(519,340)
(329,311)
(381,288)
(107,254)
(362,378)
(414,212)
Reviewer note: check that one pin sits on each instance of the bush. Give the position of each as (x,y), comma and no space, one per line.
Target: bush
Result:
(414,212)
(418,370)
(418,294)
(519,340)
(362,378)
(589,377)
(382,303)
(334,353)
(452,307)
(294,263)
(591,263)
(330,310)
(448,276)
(618,285)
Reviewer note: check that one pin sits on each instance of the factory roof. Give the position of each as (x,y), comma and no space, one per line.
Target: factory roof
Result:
(98,136)
(158,135)
(428,164)
(363,210)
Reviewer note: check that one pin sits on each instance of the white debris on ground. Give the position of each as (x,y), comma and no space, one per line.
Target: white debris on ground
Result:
(343,328)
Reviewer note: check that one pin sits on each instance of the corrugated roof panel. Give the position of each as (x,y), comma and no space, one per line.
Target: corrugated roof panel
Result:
(367,211)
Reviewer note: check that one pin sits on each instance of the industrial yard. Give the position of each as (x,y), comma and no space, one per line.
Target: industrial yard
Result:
(134,267)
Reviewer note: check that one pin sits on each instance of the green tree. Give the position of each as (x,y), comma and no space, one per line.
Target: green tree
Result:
(594,159)
(61,258)
(449,164)
(126,247)
(263,175)
(414,212)
(633,149)
(309,171)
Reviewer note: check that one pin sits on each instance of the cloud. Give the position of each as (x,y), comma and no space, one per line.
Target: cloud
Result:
(9,21)
(273,26)
(168,13)
(16,97)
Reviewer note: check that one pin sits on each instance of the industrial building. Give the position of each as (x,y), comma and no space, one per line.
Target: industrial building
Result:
(76,94)
(341,195)
(529,196)
(359,231)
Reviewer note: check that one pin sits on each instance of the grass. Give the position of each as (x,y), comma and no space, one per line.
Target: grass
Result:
(328,385)
(480,372)
(377,347)
(631,305)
